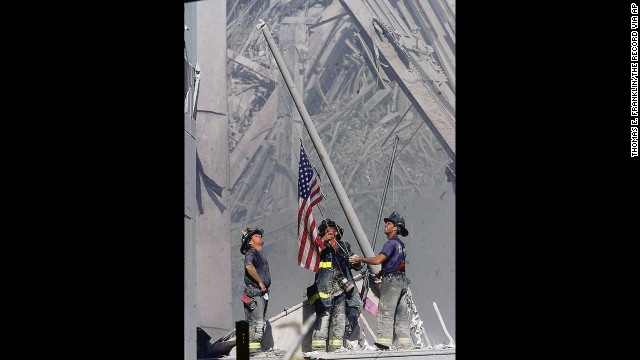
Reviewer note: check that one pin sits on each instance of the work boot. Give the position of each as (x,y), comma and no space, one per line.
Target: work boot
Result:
(385,347)
(319,345)
(254,348)
(335,345)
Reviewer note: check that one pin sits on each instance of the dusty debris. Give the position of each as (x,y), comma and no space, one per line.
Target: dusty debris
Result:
(353,102)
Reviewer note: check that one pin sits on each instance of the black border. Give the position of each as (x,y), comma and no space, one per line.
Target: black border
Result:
(542,165)
(544,175)
(125,292)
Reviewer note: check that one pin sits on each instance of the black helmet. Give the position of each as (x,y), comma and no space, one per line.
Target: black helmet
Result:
(398,221)
(246,236)
(328,222)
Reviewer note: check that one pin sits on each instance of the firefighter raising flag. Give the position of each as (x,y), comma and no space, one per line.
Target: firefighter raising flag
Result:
(308,196)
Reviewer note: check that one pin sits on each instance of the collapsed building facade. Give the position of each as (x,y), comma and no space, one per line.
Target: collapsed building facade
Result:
(368,71)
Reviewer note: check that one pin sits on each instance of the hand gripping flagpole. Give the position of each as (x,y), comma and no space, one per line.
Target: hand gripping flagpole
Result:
(361,237)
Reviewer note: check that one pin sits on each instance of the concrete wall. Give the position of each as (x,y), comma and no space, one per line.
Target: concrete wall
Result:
(190,205)
(213,247)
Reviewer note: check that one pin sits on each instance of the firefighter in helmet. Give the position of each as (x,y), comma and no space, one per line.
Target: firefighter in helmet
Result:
(336,303)
(393,308)
(257,281)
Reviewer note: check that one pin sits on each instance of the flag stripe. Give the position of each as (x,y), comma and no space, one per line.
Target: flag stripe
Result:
(309,195)
(311,235)
(303,249)
(315,190)
(309,247)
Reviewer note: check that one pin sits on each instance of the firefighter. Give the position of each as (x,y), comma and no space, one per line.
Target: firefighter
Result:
(332,293)
(257,281)
(393,309)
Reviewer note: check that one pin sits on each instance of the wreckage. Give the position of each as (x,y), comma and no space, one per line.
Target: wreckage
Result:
(399,66)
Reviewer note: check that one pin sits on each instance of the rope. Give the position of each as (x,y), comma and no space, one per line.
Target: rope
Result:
(393,188)
(411,137)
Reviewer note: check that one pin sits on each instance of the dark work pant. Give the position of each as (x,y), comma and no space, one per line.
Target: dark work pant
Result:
(351,321)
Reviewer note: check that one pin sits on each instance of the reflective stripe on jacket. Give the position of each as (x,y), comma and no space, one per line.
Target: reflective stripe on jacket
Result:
(334,268)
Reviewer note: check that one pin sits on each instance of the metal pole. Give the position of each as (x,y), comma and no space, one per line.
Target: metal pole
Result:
(361,237)
(384,193)
(451,342)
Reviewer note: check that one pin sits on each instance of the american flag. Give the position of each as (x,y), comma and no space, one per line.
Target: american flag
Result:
(308,196)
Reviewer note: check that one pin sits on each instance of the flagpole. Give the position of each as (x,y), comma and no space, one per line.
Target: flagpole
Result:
(358,231)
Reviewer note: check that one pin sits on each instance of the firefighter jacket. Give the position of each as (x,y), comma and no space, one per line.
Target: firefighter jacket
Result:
(333,275)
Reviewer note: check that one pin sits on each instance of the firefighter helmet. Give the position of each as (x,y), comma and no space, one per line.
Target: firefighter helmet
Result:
(330,223)
(398,221)
(246,237)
